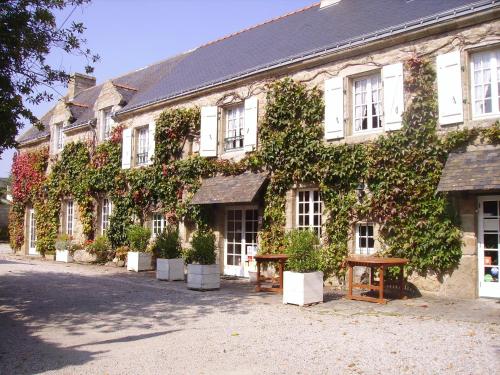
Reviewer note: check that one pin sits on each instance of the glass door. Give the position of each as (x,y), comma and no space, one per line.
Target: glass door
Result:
(32,233)
(489,246)
(241,240)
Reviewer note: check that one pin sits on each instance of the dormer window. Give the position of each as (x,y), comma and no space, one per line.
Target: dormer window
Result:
(106,123)
(59,137)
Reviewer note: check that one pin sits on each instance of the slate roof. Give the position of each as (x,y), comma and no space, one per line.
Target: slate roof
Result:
(471,170)
(299,35)
(243,188)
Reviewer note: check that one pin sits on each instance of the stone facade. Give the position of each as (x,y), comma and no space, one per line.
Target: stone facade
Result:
(472,34)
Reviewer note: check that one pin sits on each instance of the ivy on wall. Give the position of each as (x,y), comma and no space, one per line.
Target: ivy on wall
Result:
(401,170)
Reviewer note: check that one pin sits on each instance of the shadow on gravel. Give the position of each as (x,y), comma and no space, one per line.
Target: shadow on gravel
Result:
(79,304)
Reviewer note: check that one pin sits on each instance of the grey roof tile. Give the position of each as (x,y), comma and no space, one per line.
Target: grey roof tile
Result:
(299,34)
(230,189)
(472,170)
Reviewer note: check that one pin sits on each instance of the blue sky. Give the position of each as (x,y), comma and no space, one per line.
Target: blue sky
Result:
(130,34)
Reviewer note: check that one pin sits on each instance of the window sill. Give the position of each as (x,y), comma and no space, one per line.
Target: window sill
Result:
(489,116)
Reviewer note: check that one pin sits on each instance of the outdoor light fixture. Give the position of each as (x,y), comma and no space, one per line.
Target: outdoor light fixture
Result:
(360,190)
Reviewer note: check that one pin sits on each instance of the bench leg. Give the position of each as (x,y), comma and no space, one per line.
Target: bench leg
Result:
(381,285)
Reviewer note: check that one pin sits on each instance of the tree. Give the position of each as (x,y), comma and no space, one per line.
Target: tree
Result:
(28,32)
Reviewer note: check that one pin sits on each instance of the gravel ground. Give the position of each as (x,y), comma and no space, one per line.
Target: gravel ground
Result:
(77,319)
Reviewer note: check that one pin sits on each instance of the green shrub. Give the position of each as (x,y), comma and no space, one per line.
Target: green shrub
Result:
(101,248)
(302,248)
(138,238)
(203,248)
(167,244)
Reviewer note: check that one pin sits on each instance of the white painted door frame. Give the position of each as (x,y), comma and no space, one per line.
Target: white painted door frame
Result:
(492,226)
(232,269)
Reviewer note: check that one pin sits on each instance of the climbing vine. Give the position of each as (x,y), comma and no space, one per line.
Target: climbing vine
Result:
(400,170)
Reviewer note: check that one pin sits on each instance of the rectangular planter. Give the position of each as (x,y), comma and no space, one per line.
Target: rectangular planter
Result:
(203,277)
(170,269)
(302,288)
(63,256)
(137,261)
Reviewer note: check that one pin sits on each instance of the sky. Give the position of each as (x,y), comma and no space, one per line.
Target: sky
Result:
(131,34)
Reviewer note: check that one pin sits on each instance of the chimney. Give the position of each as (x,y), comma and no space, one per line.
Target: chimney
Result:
(79,82)
(327,3)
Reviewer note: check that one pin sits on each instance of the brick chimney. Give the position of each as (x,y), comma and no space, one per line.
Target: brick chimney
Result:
(327,3)
(79,82)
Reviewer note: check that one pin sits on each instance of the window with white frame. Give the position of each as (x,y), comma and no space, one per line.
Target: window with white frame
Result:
(106,122)
(309,210)
(105,214)
(69,217)
(159,223)
(367,103)
(485,78)
(59,137)
(235,126)
(365,240)
(142,145)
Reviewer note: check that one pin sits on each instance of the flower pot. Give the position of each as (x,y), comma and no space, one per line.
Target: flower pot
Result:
(137,261)
(170,269)
(63,256)
(302,288)
(203,277)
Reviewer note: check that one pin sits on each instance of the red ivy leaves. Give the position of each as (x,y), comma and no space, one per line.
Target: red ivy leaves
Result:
(28,173)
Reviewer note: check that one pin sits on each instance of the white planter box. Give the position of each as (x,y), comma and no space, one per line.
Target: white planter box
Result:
(138,261)
(63,256)
(170,269)
(302,288)
(203,277)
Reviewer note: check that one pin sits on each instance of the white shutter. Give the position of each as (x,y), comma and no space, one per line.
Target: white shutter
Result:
(151,141)
(449,77)
(208,131)
(334,108)
(126,148)
(392,76)
(251,116)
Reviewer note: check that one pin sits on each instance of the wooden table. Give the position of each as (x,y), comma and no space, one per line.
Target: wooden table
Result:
(270,258)
(374,263)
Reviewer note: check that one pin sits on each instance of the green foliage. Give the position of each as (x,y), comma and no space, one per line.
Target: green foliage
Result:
(138,238)
(28,33)
(101,248)
(302,248)
(167,244)
(203,248)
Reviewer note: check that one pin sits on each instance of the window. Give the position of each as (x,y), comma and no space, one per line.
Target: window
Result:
(309,210)
(105,213)
(106,122)
(235,124)
(159,223)
(485,79)
(142,145)
(59,136)
(69,218)
(367,92)
(365,241)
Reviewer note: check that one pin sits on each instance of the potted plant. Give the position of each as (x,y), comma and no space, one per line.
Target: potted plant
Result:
(64,249)
(167,248)
(139,257)
(203,273)
(99,249)
(302,282)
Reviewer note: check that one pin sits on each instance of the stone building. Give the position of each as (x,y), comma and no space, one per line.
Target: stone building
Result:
(354,51)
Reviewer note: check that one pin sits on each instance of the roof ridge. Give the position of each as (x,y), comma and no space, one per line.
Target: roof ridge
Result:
(303,9)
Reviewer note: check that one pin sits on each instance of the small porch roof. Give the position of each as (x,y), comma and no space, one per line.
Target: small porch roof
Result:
(243,188)
(475,170)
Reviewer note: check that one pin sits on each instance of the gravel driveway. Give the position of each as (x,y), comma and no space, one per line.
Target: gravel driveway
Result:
(76,319)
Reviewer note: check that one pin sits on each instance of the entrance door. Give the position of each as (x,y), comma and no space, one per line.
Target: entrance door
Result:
(32,233)
(241,240)
(489,246)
